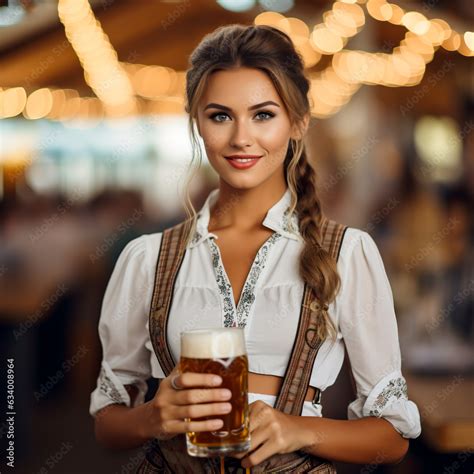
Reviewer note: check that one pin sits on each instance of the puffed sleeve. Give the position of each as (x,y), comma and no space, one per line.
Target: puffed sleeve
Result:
(369,328)
(123,329)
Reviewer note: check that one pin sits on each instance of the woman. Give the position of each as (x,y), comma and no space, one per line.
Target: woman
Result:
(256,241)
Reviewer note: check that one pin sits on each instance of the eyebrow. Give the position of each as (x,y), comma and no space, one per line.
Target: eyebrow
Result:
(213,105)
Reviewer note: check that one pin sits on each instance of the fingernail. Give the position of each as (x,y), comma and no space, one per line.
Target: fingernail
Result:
(216,381)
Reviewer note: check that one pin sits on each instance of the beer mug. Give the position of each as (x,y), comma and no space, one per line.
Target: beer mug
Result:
(219,351)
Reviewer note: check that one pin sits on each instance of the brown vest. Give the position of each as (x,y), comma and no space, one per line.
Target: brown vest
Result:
(170,456)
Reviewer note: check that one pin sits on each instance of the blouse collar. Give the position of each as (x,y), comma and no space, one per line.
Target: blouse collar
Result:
(276,219)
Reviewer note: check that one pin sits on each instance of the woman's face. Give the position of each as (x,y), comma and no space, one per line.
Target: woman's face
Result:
(240,113)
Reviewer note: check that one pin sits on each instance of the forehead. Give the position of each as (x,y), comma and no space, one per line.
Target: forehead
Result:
(239,87)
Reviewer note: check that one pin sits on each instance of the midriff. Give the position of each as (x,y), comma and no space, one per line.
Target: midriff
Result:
(270,385)
(258,383)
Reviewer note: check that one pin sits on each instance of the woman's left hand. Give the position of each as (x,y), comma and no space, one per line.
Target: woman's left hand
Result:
(272,432)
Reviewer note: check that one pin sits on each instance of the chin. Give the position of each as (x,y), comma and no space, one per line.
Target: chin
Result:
(242,182)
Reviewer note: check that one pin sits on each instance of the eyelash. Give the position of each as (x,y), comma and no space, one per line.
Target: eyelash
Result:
(212,117)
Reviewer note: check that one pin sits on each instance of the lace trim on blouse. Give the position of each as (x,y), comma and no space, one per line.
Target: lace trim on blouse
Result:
(108,387)
(390,389)
(290,224)
(223,285)
(238,316)
(248,292)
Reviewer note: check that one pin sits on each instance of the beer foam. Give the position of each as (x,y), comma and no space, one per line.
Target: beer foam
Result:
(213,343)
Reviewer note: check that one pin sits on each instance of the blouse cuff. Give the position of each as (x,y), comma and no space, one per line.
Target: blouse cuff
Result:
(389,400)
(111,389)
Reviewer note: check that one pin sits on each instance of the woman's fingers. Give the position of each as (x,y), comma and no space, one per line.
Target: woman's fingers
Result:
(193,379)
(198,411)
(260,413)
(181,426)
(189,398)
(201,395)
(258,437)
(259,455)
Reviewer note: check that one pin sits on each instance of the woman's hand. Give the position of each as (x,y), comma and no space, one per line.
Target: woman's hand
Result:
(272,432)
(170,407)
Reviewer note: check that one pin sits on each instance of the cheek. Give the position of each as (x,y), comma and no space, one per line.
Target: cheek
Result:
(215,138)
(275,142)
(276,137)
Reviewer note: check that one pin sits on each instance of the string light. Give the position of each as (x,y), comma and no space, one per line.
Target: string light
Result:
(12,101)
(405,66)
(102,70)
(418,24)
(380,10)
(124,88)
(469,39)
(298,31)
(39,104)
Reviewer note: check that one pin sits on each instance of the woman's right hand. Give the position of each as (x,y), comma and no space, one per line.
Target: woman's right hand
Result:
(198,397)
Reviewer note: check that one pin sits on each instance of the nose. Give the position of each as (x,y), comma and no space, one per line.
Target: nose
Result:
(241,135)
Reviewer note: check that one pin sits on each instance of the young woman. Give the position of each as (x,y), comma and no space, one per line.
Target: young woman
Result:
(253,246)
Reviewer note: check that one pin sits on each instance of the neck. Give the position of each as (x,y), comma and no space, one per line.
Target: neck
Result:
(244,209)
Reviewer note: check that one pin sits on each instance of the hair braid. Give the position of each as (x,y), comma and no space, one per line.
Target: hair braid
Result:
(317,268)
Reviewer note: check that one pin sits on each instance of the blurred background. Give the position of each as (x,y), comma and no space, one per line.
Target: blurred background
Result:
(94,148)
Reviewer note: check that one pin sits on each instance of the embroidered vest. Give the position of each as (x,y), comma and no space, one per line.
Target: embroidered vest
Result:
(170,456)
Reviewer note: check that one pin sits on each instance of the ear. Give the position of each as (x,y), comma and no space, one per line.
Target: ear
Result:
(300,128)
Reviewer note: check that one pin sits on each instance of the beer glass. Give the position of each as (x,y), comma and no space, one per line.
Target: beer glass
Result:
(219,351)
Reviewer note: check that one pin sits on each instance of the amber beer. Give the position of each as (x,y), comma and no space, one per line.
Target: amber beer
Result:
(219,351)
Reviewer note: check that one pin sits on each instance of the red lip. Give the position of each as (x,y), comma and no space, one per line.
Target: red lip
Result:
(242,156)
(253,160)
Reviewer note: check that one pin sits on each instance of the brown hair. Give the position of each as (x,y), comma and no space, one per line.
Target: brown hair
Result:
(271,51)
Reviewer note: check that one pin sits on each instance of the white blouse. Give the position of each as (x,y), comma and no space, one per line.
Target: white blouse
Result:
(268,309)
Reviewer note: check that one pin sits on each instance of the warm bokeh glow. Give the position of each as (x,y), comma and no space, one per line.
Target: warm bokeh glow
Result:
(12,102)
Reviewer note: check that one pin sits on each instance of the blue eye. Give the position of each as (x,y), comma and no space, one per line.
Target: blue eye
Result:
(218,114)
(267,116)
